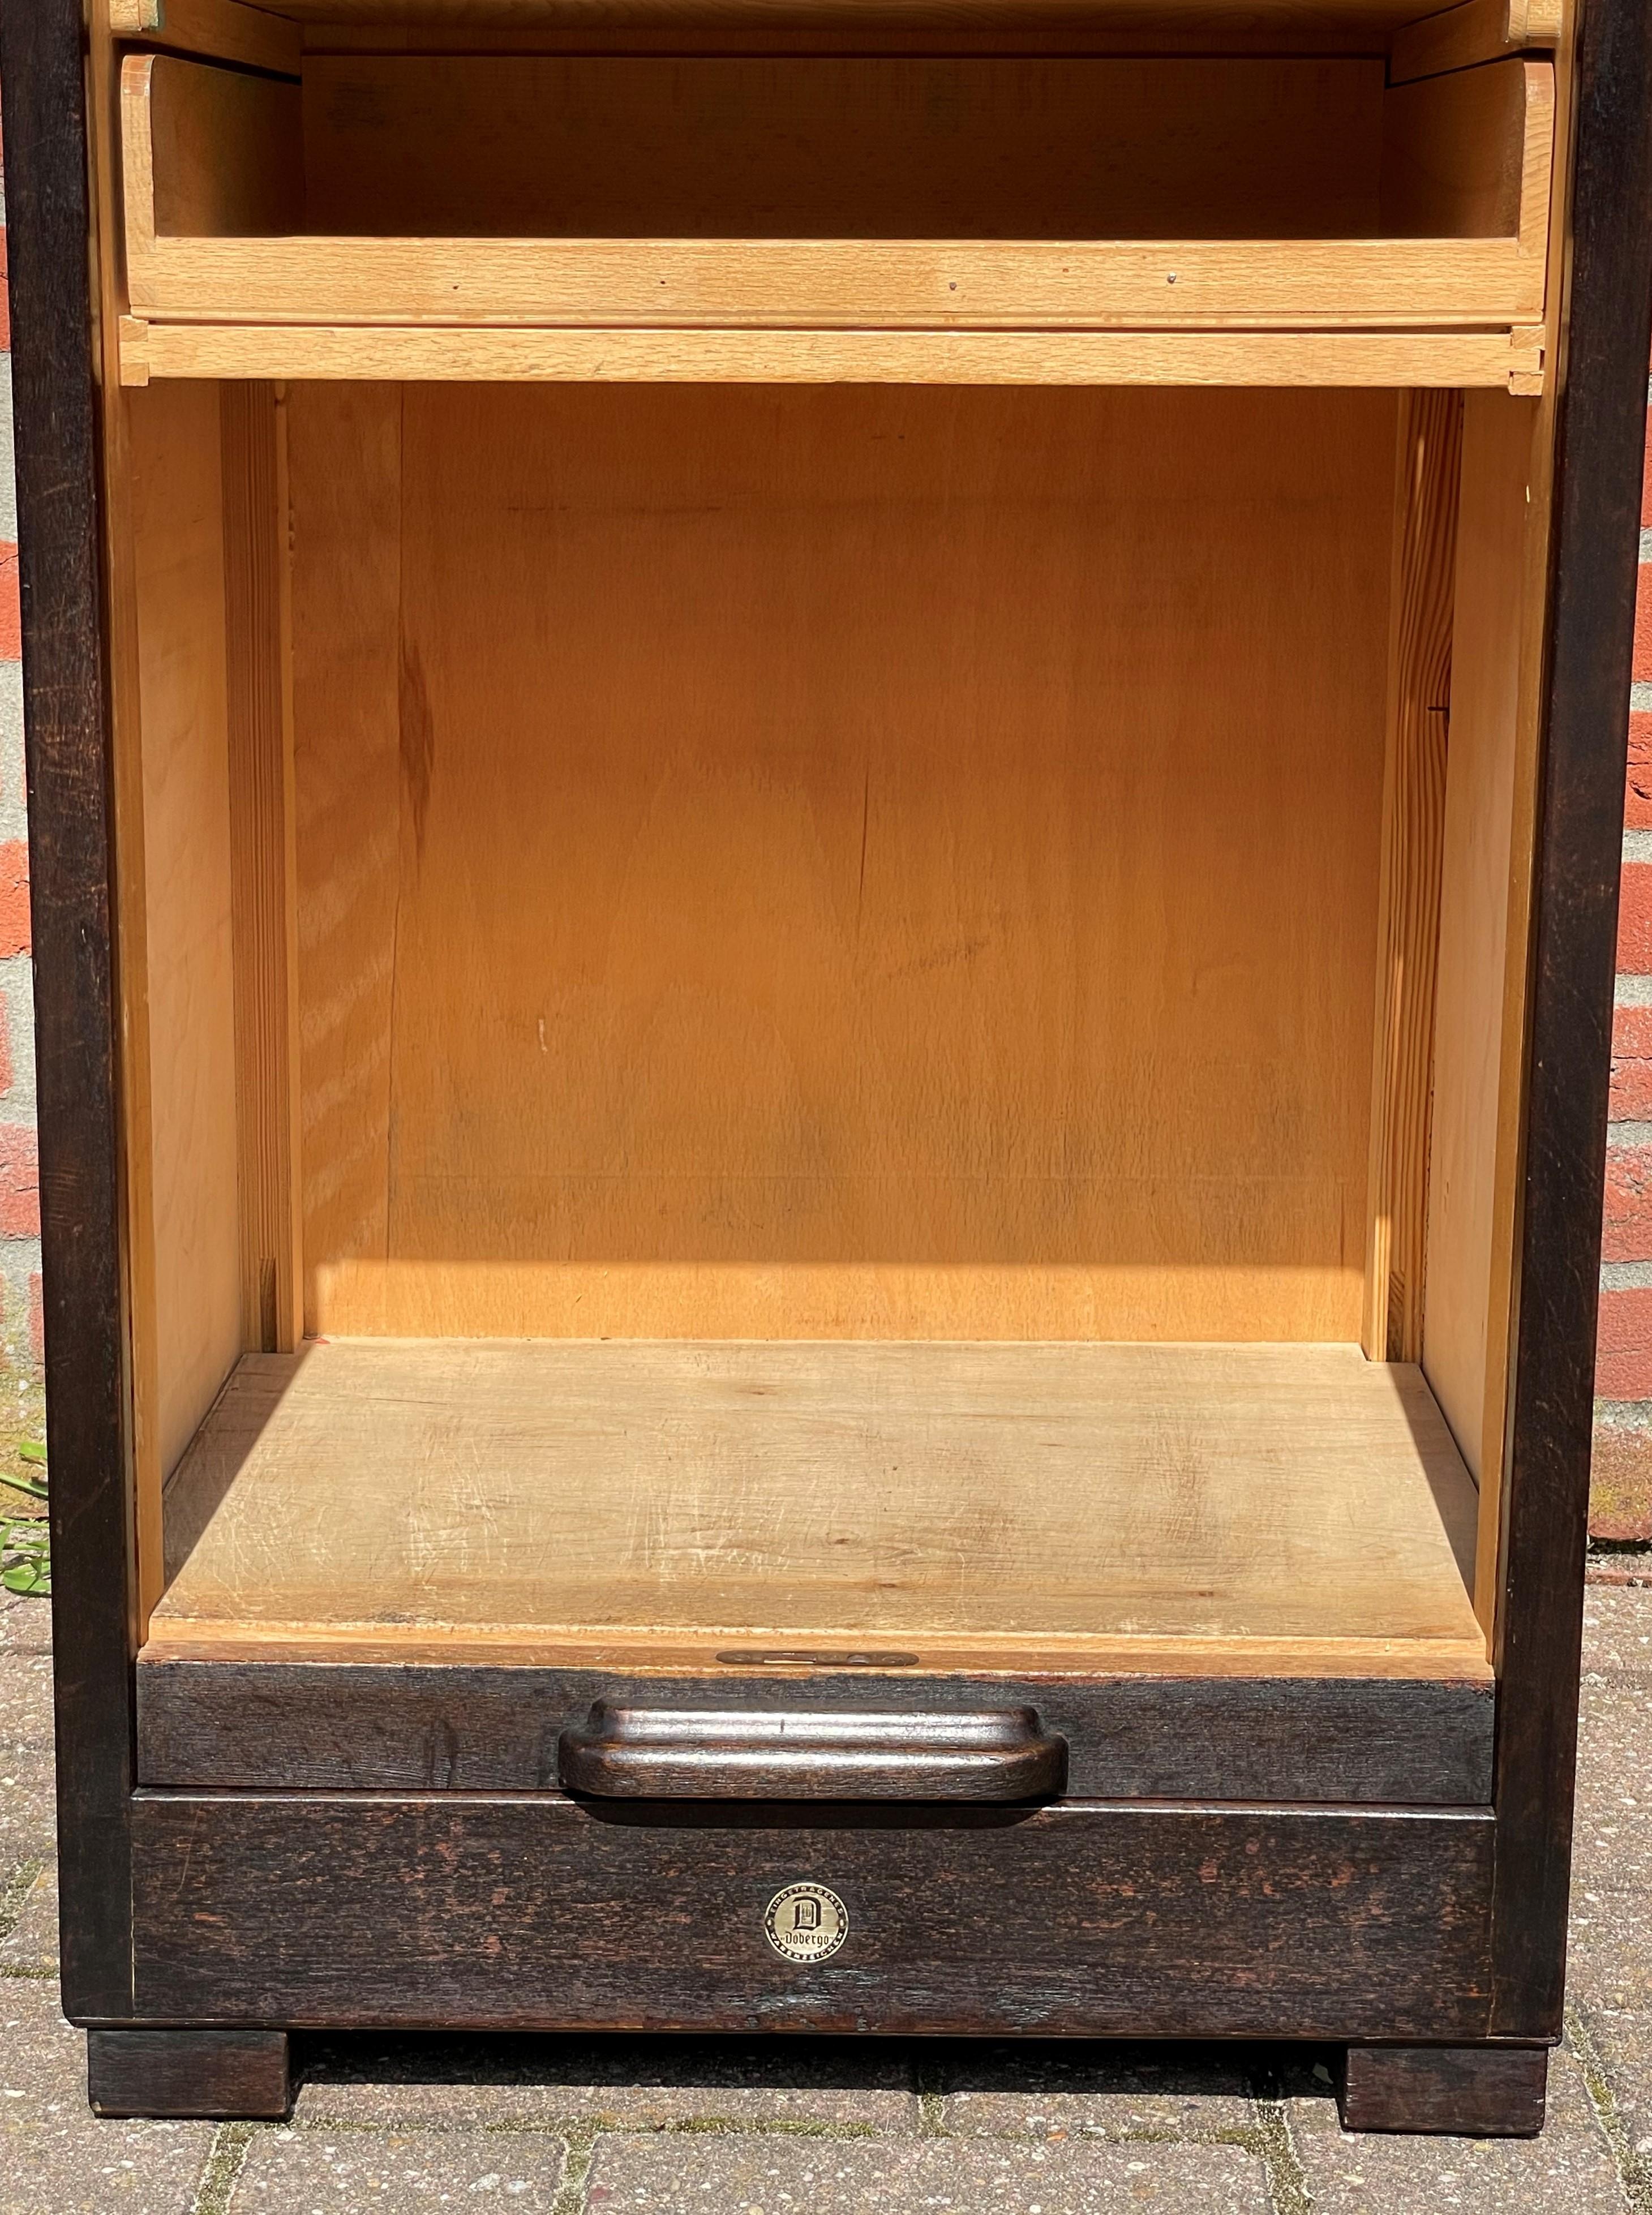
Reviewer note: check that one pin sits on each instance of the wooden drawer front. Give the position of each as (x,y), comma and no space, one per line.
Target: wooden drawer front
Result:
(544,1913)
(362,1726)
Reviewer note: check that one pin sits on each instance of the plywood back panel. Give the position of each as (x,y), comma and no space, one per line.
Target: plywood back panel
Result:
(178,529)
(847,147)
(837,864)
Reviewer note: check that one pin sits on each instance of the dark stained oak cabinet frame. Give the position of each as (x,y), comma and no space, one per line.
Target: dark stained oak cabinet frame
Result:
(1337,1879)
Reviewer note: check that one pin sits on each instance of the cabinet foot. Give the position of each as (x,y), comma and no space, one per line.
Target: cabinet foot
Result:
(208,2073)
(1463,2091)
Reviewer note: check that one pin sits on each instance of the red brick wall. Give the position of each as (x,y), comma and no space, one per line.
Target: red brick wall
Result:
(1622,1506)
(20,1206)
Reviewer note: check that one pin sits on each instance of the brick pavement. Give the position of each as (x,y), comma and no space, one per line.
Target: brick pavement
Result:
(716,2126)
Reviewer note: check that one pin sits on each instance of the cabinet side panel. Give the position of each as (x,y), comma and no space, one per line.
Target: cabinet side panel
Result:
(95,1598)
(1414,809)
(1462,1353)
(178,563)
(1600,445)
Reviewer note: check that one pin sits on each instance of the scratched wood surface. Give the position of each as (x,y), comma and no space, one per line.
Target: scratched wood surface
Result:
(1075,1920)
(271,1720)
(1232,1492)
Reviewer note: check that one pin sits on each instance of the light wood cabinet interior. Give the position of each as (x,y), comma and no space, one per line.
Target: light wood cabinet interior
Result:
(816,898)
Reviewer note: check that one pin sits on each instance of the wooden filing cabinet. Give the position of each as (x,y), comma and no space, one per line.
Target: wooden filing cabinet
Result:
(825,812)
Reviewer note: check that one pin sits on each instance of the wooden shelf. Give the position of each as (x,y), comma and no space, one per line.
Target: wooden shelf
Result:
(843,284)
(404,354)
(1060,1507)
(268,236)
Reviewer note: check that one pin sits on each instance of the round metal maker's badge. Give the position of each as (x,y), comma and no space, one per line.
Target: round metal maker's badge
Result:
(806,1922)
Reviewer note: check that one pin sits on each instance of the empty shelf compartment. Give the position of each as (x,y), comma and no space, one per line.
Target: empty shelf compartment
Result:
(857,193)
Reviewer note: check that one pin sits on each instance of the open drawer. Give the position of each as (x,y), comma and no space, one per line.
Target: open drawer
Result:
(854,194)
(930,1572)
(833,1084)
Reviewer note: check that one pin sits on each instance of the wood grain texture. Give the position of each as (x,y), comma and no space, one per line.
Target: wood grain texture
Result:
(96,1600)
(902,1074)
(222,30)
(206,153)
(210,2073)
(263,874)
(1536,588)
(1414,809)
(1079,1920)
(1462,37)
(345,519)
(177,524)
(1599,435)
(779,1491)
(1401,284)
(1492,828)
(1463,2091)
(1485,875)
(849,147)
(1389,359)
(621,1751)
(1469,155)
(267,1722)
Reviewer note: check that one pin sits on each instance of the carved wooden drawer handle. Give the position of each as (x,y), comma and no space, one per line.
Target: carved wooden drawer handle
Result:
(744,1753)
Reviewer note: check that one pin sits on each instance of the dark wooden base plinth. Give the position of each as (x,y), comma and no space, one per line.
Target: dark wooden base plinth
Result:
(212,2074)
(1462,2092)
